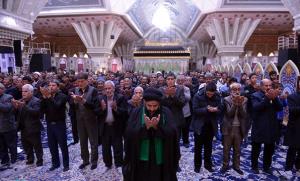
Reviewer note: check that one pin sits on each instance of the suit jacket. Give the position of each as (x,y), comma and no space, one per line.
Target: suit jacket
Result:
(29,116)
(201,116)
(120,115)
(265,127)
(175,104)
(7,117)
(230,110)
(292,134)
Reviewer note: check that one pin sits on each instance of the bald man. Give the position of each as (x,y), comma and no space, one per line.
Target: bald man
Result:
(265,128)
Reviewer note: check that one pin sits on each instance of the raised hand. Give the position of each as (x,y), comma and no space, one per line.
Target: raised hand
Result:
(103,105)
(155,121)
(148,122)
(114,105)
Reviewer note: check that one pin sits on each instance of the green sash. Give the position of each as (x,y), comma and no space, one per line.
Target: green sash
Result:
(145,144)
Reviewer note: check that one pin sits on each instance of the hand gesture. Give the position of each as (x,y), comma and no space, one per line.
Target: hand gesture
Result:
(271,94)
(114,105)
(136,100)
(45,92)
(172,91)
(155,121)
(103,105)
(14,103)
(148,122)
(167,91)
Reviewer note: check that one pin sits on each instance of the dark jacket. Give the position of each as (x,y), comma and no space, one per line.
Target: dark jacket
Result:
(292,136)
(175,104)
(134,134)
(120,115)
(91,108)
(29,116)
(7,117)
(55,108)
(265,127)
(229,113)
(201,114)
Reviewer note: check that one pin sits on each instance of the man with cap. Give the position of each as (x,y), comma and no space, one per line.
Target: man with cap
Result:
(151,142)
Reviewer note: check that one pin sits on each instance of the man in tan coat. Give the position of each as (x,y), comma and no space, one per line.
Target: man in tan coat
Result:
(234,127)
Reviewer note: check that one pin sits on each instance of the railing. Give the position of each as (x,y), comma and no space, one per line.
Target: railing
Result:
(287,41)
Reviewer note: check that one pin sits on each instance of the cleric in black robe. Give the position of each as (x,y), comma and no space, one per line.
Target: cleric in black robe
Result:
(151,142)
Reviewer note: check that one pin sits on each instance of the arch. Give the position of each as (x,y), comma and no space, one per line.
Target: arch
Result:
(289,76)
(154,30)
(247,69)
(270,67)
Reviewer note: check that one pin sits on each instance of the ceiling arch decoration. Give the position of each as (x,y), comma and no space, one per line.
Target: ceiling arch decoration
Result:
(252,2)
(173,34)
(63,4)
(183,13)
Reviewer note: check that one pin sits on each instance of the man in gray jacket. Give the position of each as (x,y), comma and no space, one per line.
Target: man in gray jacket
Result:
(8,128)
(234,126)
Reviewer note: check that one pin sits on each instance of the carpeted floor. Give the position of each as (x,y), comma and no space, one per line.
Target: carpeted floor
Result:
(20,171)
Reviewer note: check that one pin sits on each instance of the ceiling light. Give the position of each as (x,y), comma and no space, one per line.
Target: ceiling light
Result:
(271,54)
(85,56)
(161,18)
(259,54)
(75,56)
(64,55)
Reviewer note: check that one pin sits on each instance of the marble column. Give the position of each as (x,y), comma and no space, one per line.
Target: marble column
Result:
(294,7)
(205,51)
(99,39)
(230,39)
(126,52)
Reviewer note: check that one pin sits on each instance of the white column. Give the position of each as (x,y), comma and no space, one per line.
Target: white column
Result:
(294,7)
(98,41)
(230,40)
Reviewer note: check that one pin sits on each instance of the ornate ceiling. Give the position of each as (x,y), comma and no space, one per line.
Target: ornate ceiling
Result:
(189,17)
(183,13)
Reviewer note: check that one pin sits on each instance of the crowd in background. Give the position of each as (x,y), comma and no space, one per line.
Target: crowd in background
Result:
(143,116)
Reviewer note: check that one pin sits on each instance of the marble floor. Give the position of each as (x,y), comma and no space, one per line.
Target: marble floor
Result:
(21,172)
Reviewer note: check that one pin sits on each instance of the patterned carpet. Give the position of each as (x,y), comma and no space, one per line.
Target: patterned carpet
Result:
(20,171)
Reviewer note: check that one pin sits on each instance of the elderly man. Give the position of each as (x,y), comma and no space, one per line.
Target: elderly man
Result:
(53,104)
(234,126)
(136,100)
(265,127)
(112,117)
(29,123)
(87,106)
(8,128)
(151,146)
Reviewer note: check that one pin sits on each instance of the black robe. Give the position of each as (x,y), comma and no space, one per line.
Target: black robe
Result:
(135,133)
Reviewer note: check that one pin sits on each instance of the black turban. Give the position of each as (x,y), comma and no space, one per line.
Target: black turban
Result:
(152,94)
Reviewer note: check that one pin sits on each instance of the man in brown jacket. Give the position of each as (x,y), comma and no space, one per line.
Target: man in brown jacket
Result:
(234,126)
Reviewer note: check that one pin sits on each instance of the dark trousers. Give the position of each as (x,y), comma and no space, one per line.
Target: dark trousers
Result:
(32,141)
(267,155)
(186,130)
(203,140)
(74,126)
(111,138)
(292,158)
(56,133)
(88,132)
(234,139)
(8,142)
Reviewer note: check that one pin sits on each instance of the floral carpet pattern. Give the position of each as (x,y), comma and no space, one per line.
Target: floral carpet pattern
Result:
(22,172)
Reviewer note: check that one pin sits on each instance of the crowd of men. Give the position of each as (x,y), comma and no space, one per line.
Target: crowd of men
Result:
(144,117)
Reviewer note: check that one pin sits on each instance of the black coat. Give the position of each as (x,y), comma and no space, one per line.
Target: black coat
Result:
(175,104)
(292,136)
(55,107)
(120,115)
(133,137)
(201,114)
(29,116)
(265,127)
(7,117)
